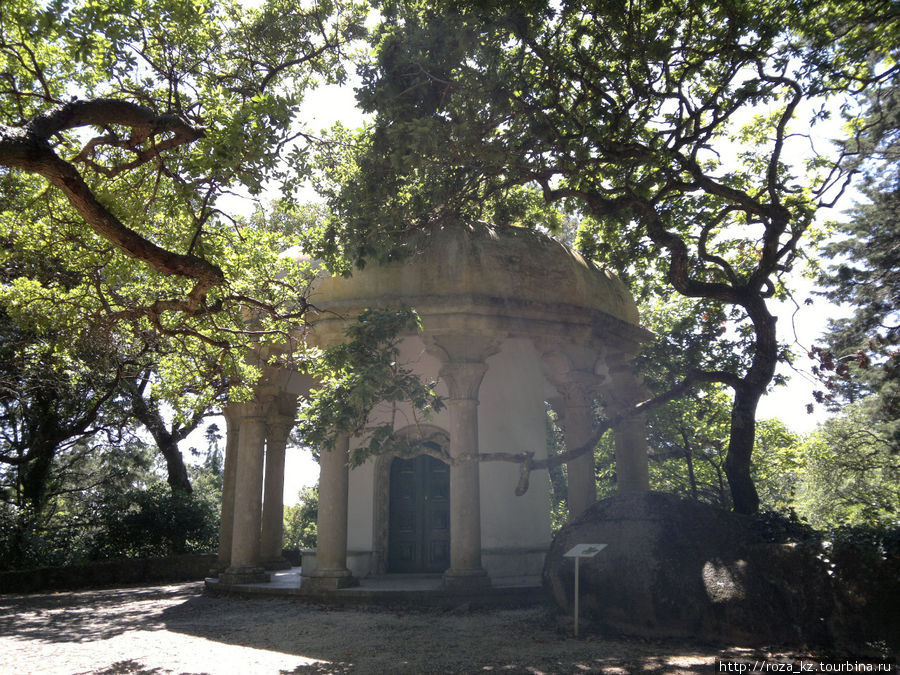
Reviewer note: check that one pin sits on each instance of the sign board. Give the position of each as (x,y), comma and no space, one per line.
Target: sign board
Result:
(584,550)
(578,552)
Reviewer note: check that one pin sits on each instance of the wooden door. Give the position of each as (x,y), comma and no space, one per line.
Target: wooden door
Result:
(419,539)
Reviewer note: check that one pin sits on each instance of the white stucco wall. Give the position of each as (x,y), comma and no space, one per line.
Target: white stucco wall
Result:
(360,503)
(511,418)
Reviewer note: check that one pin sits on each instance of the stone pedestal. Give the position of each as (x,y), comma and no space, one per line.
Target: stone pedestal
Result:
(244,574)
(327,580)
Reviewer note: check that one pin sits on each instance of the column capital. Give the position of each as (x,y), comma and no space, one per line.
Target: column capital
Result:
(462,361)
(278,427)
(626,387)
(578,389)
(232,414)
(259,407)
(456,347)
(251,410)
(463,379)
(576,380)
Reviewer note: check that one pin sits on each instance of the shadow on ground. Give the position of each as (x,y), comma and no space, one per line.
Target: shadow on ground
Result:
(225,634)
(83,616)
(372,639)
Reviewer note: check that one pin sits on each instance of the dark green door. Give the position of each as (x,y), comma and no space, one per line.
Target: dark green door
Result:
(419,538)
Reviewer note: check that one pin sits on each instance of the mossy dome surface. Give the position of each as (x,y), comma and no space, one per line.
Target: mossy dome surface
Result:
(510,270)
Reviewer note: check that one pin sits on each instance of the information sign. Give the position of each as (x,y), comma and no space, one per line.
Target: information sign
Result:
(578,552)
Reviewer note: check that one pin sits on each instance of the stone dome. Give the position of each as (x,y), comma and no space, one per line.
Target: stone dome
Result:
(500,272)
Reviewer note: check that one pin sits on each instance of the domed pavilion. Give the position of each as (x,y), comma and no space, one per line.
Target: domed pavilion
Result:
(511,320)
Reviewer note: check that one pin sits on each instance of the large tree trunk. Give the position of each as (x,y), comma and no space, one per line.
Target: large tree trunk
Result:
(176,471)
(743,411)
(740,450)
(691,476)
(34,475)
(166,442)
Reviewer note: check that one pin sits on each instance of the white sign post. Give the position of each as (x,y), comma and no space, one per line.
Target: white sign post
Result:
(578,552)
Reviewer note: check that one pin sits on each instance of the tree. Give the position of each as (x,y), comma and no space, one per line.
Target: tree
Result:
(687,440)
(121,127)
(81,478)
(669,128)
(53,401)
(147,409)
(850,475)
(861,355)
(300,519)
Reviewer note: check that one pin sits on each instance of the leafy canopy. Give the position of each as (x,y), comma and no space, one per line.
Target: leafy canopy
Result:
(123,125)
(675,132)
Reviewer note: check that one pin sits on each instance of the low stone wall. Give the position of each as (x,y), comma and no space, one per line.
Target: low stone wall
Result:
(108,573)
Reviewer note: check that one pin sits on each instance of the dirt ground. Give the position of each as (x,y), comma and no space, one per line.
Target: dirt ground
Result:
(178,629)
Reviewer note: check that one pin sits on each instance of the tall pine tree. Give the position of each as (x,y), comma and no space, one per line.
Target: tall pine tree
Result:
(862,355)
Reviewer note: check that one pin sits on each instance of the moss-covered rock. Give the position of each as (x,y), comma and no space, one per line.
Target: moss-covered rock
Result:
(678,568)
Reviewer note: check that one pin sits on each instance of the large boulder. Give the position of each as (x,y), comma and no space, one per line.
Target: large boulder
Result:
(678,568)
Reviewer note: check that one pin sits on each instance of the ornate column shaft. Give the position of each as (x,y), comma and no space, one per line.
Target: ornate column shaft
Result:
(571,369)
(577,417)
(278,428)
(245,564)
(331,549)
(632,470)
(463,369)
(226,520)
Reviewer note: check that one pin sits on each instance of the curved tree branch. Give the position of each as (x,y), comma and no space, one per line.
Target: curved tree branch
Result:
(28,149)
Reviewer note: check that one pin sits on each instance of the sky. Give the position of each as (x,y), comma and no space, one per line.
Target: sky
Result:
(800,324)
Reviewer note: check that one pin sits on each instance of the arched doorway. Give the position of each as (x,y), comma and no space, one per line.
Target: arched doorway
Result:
(419,516)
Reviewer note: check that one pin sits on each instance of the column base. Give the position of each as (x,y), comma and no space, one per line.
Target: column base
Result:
(245,574)
(327,580)
(276,564)
(466,580)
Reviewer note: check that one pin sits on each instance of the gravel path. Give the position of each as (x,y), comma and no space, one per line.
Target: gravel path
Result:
(177,629)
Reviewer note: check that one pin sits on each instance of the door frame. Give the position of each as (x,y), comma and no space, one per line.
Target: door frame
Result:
(425,433)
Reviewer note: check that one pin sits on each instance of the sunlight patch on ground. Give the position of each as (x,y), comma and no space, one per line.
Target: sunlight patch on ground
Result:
(143,651)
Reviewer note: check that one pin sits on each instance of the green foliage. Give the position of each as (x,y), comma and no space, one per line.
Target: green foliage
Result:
(60,530)
(559,489)
(107,500)
(669,129)
(56,391)
(861,355)
(358,375)
(688,439)
(155,521)
(843,475)
(300,520)
(778,465)
(236,78)
(850,474)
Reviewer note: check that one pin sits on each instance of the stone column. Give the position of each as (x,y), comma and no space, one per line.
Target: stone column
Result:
(632,470)
(245,564)
(572,370)
(577,418)
(278,428)
(226,521)
(331,550)
(463,369)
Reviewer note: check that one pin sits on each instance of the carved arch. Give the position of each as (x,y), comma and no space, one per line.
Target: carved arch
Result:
(423,433)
